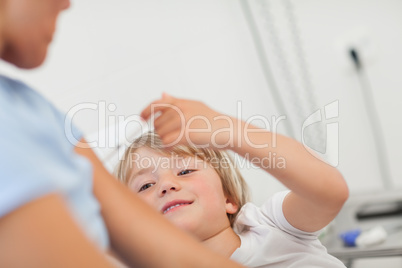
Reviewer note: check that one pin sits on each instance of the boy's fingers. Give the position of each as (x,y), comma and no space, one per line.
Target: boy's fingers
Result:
(154,107)
(167,97)
(146,113)
(172,139)
(158,106)
(168,115)
(164,118)
(173,126)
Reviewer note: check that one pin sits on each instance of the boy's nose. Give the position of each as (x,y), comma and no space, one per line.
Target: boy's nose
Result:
(169,184)
(164,191)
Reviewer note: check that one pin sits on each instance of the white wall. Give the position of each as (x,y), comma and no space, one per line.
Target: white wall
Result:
(127,52)
(375,28)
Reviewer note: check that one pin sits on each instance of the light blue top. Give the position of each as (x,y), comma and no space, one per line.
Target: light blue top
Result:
(36,159)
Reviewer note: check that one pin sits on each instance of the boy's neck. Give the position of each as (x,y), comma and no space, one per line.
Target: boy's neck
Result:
(224,243)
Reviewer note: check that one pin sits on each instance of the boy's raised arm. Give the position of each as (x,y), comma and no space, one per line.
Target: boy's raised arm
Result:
(318,191)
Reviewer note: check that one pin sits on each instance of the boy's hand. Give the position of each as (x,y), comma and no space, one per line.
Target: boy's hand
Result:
(188,122)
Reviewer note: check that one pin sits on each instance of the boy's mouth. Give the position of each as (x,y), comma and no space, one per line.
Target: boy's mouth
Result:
(174,204)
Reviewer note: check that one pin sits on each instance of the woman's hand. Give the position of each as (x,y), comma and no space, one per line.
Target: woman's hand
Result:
(180,121)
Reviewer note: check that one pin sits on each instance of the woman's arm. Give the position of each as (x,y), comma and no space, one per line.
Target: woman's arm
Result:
(318,191)
(141,235)
(43,234)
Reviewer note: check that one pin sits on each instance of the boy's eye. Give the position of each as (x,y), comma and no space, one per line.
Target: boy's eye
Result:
(145,186)
(185,172)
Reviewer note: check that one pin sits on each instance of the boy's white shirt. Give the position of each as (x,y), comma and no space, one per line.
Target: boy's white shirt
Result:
(268,240)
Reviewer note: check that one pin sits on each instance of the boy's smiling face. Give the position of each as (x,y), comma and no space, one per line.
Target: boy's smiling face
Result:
(28,30)
(187,190)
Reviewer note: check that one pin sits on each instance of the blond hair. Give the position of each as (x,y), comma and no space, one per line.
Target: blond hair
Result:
(233,184)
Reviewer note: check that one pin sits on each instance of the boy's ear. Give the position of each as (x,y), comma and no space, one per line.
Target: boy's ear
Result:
(231,207)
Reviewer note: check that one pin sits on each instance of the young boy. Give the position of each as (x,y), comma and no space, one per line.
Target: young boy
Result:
(187,185)
(49,216)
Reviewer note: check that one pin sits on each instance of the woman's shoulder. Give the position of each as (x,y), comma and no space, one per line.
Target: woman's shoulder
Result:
(17,96)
